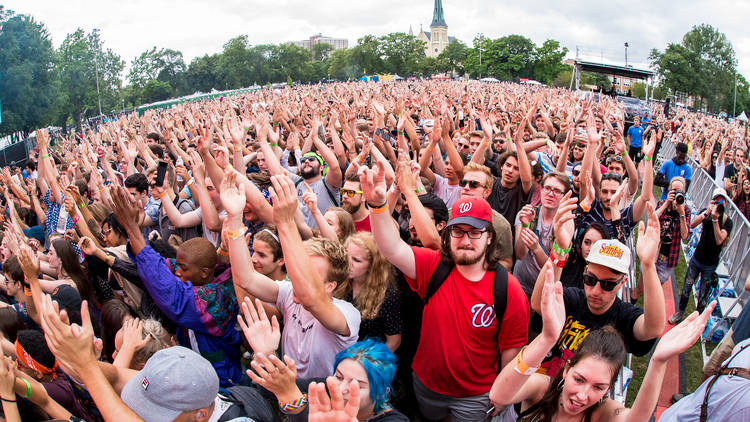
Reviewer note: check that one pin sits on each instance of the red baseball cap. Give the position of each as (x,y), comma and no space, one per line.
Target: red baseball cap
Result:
(475,212)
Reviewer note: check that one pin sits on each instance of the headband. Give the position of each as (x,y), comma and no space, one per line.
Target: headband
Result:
(273,235)
(29,361)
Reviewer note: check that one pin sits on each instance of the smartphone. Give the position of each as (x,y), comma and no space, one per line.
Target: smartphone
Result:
(160,172)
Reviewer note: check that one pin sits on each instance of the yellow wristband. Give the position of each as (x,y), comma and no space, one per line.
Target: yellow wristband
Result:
(236,234)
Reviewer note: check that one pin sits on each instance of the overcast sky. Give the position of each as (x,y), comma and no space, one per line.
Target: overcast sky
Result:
(197,27)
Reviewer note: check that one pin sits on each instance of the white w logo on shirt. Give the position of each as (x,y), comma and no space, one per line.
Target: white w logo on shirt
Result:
(482,315)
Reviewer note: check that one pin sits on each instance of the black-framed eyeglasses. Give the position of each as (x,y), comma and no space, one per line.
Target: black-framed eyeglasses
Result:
(350,193)
(459,233)
(607,285)
(550,189)
(473,184)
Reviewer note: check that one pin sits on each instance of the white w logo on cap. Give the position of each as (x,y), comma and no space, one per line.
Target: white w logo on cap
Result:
(465,207)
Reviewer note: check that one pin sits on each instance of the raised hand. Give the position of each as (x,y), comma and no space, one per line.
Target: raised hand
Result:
(262,335)
(126,211)
(333,409)
(29,262)
(72,345)
(373,184)
(87,245)
(284,198)
(562,224)
(682,336)
(132,334)
(275,376)
(310,199)
(649,237)
(553,306)
(232,198)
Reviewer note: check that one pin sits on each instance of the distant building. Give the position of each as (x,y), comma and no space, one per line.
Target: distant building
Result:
(337,43)
(437,38)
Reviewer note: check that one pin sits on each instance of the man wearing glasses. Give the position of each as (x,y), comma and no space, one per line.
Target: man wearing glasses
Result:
(460,347)
(326,188)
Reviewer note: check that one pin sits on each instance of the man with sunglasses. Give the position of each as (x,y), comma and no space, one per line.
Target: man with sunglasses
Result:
(354,203)
(460,347)
(597,304)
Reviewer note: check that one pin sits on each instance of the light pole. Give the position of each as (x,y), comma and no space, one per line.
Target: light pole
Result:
(734,107)
(96,69)
(481,37)
(626,53)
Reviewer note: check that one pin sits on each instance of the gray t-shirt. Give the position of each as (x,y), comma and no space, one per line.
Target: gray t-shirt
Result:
(312,346)
(527,269)
(328,196)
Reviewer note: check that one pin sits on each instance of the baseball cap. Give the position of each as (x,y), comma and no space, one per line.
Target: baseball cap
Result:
(720,192)
(475,212)
(610,253)
(173,381)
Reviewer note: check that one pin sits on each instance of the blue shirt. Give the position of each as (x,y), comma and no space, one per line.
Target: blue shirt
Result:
(206,315)
(671,170)
(636,135)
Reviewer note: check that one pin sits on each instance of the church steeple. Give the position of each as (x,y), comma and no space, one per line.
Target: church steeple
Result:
(437,15)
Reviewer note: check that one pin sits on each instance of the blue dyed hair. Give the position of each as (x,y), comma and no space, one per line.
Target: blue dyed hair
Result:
(380,365)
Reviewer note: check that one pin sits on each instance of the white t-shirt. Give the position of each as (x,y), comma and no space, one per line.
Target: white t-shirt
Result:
(448,193)
(312,346)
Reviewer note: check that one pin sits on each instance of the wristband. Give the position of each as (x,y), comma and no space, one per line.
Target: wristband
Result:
(45,155)
(527,225)
(715,220)
(402,133)
(190,182)
(28,388)
(362,159)
(162,195)
(521,367)
(222,252)
(430,148)
(419,189)
(559,250)
(237,149)
(557,261)
(7,400)
(236,234)
(509,139)
(647,158)
(380,208)
(27,291)
(586,208)
(275,144)
(75,220)
(624,153)
(294,406)
(81,205)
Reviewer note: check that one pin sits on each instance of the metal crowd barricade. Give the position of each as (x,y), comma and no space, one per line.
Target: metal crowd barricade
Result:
(734,255)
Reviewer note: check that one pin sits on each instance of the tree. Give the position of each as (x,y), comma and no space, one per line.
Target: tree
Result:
(201,73)
(548,61)
(321,51)
(401,53)
(27,87)
(703,65)
(166,65)
(452,58)
(80,59)
(341,66)
(429,66)
(234,64)
(365,56)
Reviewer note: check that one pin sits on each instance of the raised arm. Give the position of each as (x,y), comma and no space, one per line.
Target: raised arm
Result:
(309,285)
(651,323)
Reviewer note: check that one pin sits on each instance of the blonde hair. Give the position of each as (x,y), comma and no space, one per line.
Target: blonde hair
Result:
(336,255)
(379,278)
(158,338)
(472,166)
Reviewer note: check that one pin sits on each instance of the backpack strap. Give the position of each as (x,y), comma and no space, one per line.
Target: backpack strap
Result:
(438,278)
(500,300)
(725,370)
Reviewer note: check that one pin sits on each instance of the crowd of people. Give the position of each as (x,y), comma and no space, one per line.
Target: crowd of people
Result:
(362,252)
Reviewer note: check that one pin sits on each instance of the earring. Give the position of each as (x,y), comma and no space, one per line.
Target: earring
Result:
(560,384)
(604,397)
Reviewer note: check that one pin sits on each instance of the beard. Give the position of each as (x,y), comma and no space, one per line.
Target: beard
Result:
(351,209)
(308,173)
(468,259)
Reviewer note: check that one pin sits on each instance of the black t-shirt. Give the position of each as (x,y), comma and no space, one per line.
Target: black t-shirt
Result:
(730,172)
(670,230)
(388,320)
(508,201)
(580,321)
(707,252)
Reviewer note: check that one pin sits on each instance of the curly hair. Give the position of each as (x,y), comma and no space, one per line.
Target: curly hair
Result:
(379,277)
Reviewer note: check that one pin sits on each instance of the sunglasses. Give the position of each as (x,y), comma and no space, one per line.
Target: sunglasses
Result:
(350,193)
(473,184)
(306,159)
(576,172)
(607,285)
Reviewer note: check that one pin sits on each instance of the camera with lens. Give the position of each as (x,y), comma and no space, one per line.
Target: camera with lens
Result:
(679,197)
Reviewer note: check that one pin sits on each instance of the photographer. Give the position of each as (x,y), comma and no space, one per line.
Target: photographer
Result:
(717,227)
(674,218)
(675,167)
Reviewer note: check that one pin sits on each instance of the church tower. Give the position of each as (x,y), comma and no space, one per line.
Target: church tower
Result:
(438,37)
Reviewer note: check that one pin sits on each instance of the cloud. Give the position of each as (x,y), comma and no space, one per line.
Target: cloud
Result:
(198,27)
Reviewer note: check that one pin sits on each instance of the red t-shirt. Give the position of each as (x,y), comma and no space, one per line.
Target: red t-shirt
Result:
(458,352)
(363,225)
